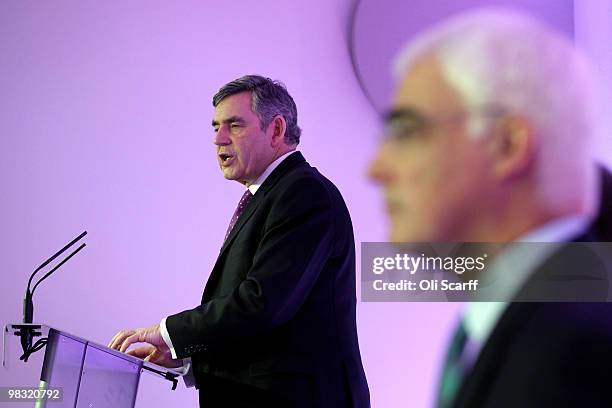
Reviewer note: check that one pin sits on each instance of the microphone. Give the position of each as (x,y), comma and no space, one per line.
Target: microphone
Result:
(28,332)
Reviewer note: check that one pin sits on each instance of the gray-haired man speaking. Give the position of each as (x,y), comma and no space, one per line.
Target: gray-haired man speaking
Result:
(276,323)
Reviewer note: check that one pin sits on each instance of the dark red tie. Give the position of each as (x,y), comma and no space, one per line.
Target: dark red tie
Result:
(246,197)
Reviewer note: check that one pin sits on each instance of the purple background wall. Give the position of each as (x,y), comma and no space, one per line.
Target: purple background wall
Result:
(380,28)
(105,125)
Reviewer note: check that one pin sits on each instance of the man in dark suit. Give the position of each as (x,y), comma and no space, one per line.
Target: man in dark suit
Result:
(490,139)
(276,324)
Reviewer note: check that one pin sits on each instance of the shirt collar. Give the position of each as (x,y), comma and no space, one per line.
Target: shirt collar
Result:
(263,176)
(558,230)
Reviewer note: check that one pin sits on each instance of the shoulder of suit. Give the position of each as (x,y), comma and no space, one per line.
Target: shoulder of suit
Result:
(576,319)
(305,179)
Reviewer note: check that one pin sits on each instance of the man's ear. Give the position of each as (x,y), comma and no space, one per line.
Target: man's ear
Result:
(276,129)
(513,146)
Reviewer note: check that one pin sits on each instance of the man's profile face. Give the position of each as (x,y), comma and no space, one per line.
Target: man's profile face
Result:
(434,174)
(243,149)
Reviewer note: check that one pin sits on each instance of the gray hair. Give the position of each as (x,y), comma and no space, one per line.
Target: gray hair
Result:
(269,98)
(504,59)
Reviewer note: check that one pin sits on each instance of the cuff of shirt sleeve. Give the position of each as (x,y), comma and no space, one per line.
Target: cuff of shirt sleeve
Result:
(186,371)
(166,337)
(188,377)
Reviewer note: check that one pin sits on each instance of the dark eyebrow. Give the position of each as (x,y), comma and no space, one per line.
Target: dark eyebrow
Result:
(403,113)
(231,119)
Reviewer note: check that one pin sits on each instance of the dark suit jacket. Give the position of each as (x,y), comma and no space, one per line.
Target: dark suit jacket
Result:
(281,296)
(550,354)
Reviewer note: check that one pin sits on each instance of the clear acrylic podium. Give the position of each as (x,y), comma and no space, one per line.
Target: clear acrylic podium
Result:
(90,375)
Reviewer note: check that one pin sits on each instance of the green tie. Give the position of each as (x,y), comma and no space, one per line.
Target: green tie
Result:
(453,372)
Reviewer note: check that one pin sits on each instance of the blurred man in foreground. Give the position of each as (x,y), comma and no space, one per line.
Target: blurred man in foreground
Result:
(490,139)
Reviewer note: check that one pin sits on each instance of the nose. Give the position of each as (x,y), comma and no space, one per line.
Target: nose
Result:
(221,137)
(378,170)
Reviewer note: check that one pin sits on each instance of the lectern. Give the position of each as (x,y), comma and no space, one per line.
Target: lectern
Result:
(79,373)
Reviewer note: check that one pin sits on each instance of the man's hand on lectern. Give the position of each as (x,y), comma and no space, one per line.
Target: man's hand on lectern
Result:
(154,355)
(156,352)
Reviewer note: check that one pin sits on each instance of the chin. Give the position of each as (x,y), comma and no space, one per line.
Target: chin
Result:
(228,175)
(398,235)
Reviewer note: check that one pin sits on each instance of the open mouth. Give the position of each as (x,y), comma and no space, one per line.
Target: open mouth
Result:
(225,158)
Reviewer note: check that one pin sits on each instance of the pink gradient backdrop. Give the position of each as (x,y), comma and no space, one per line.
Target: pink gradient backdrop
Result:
(105,122)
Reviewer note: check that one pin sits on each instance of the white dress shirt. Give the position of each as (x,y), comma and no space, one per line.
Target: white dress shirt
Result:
(186,368)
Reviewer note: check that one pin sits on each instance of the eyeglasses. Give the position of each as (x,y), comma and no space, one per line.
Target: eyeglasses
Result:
(406,124)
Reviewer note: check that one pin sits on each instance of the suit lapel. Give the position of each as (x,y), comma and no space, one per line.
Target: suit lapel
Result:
(474,391)
(292,161)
